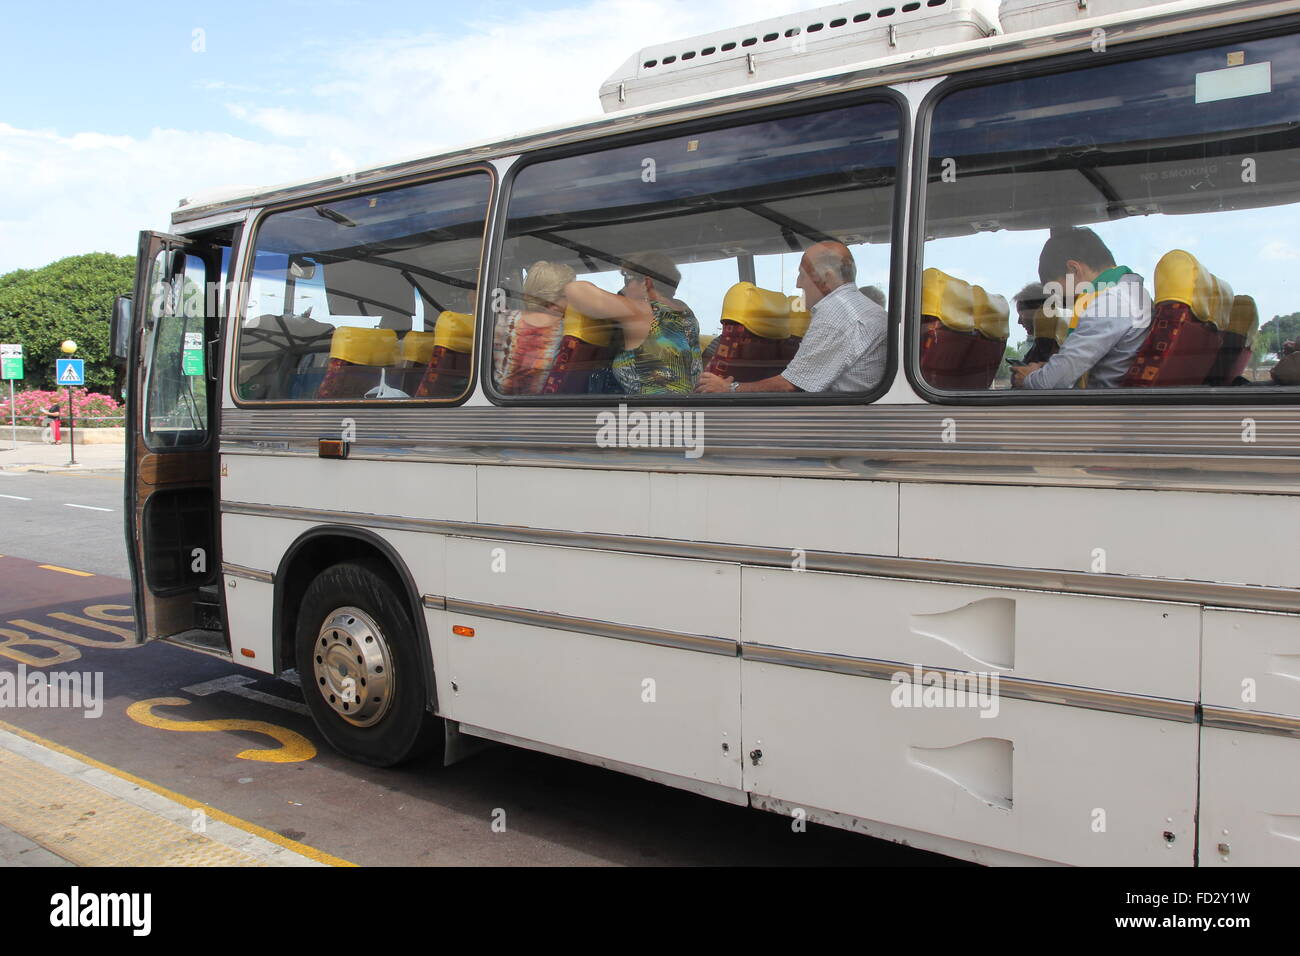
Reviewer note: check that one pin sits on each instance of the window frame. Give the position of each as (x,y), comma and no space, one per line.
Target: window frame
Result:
(248,255)
(915,254)
(669,129)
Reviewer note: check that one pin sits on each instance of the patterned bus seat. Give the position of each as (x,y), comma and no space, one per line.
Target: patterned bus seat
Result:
(1238,342)
(356,356)
(587,346)
(1192,307)
(447,374)
(755,325)
(799,319)
(963,332)
(1049,336)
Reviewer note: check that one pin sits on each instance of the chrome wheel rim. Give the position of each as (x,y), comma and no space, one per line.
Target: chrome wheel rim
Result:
(352,666)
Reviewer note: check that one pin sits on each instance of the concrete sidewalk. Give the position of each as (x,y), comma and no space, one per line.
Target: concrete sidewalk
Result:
(40,457)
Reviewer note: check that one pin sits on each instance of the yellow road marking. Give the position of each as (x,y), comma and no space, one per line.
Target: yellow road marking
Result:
(127,638)
(10,641)
(100,612)
(303,849)
(55,567)
(293,748)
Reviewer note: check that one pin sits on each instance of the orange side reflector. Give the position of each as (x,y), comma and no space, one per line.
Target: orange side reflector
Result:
(462,630)
(247,653)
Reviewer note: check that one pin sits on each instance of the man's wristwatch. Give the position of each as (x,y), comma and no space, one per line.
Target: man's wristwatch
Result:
(735,386)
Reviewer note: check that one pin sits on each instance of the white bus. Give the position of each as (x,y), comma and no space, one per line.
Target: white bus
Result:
(1057,623)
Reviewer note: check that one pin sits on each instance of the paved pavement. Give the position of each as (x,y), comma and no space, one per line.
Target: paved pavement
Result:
(55,459)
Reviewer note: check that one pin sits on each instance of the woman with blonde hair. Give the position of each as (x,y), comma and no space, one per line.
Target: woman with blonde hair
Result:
(525,341)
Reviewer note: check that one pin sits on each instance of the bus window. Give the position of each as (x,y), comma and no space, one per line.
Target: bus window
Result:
(1153,200)
(365,298)
(716,222)
(176,406)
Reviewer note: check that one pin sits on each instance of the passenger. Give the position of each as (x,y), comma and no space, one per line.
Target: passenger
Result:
(1287,369)
(1114,314)
(1029,302)
(527,340)
(844,348)
(875,294)
(660,350)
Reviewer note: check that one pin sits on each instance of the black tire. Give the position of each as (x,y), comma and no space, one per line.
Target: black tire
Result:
(329,633)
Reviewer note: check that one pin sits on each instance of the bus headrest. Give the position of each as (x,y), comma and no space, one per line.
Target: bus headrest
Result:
(963,307)
(454,331)
(1050,326)
(1244,319)
(799,317)
(417,347)
(364,346)
(1180,278)
(766,314)
(597,332)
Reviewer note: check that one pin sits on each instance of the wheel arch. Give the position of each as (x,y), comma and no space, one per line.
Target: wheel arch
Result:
(327,545)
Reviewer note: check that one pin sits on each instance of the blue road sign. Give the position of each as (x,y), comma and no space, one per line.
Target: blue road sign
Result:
(70,371)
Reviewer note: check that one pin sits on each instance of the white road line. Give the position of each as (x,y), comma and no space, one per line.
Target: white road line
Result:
(87,507)
(16,497)
(234,684)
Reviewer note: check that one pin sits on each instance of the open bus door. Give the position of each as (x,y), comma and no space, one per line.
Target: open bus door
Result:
(171,510)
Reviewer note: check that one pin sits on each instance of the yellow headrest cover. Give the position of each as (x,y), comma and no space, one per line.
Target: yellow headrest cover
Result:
(598,332)
(799,318)
(417,347)
(963,307)
(1050,326)
(949,300)
(764,313)
(1180,278)
(1245,318)
(364,346)
(454,331)
(991,314)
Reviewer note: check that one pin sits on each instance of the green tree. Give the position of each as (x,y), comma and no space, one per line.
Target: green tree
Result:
(68,299)
(1279,329)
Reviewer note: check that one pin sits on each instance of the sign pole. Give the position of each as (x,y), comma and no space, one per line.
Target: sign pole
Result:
(13,413)
(72,431)
(11,368)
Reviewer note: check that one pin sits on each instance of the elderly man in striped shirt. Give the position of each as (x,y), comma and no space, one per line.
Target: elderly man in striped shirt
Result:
(844,348)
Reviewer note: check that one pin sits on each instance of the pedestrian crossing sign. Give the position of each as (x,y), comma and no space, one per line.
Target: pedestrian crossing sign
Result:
(70,371)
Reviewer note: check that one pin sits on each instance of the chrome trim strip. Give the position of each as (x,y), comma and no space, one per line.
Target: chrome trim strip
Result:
(434,602)
(1223,718)
(248,574)
(1207,594)
(1014,688)
(583,625)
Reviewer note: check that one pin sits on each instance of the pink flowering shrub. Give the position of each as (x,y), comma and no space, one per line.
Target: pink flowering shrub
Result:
(92,409)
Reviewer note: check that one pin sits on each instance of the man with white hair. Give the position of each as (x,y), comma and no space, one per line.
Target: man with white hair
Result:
(844,349)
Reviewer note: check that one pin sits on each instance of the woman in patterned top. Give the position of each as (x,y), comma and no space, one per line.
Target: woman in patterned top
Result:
(525,341)
(660,351)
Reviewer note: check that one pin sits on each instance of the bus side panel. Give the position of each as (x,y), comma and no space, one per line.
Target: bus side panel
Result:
(1170,534)
(665,708)
(812,514)
(1250,782)
(1147,648)
(1058,783)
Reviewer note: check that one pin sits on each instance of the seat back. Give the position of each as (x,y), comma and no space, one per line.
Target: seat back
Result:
(1192,306)
(356,356)
(414,353)
(586,347)
(1049,336)
(1238,342)
(448,371)
(963,332)
(755,324)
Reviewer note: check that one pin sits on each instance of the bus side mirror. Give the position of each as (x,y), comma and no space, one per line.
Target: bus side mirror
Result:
(119,333)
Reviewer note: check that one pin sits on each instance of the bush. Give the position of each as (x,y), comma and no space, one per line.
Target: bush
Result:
(93,410)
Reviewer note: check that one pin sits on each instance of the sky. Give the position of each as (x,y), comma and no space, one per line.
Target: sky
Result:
(111,113)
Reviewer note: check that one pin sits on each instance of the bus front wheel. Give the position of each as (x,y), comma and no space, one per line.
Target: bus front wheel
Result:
(360,669)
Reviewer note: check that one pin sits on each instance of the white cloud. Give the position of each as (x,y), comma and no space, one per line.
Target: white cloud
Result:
(362,102)
(1279,250)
